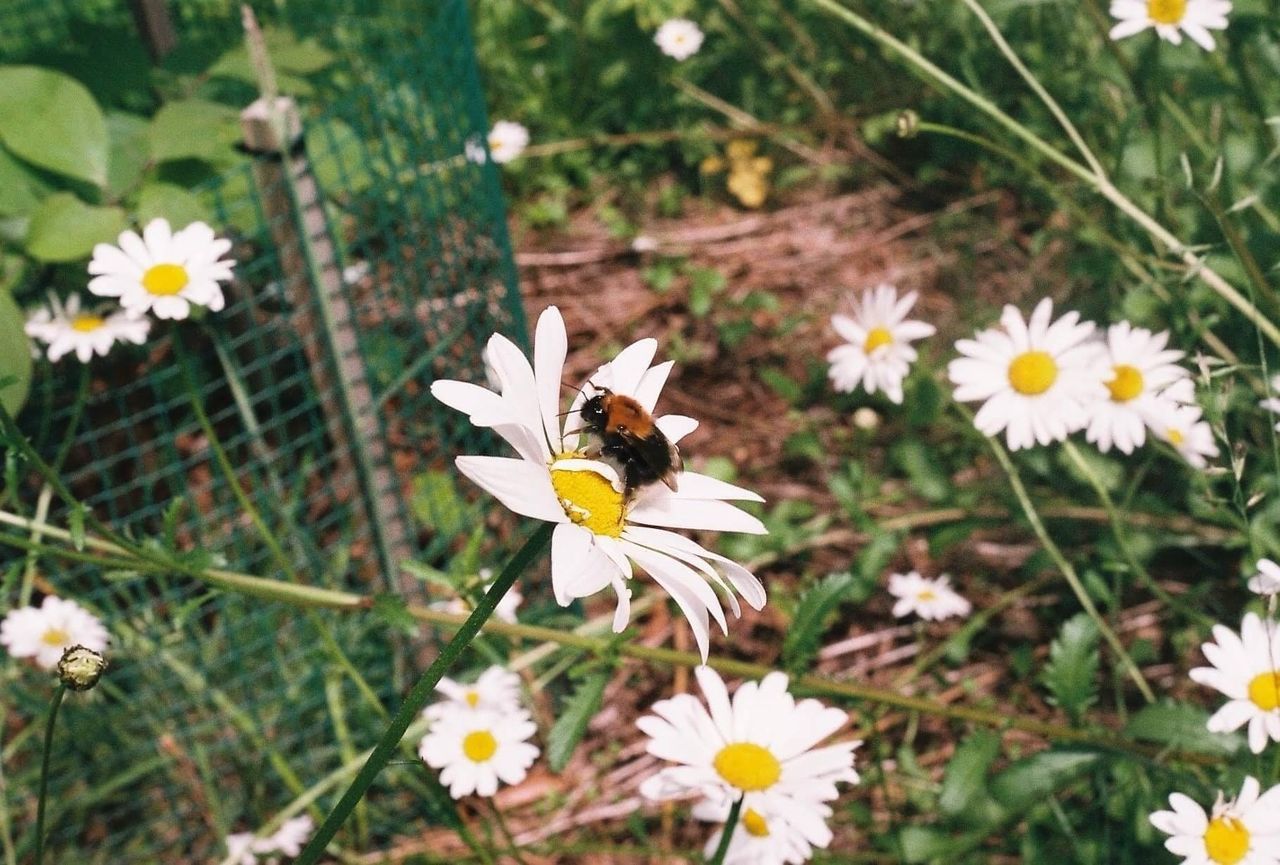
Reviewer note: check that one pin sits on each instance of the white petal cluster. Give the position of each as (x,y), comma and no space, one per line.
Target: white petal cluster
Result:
(877,353)
(246,848)
(932,600)
(507,140)
(1246,668)
(1267,581)
(1242,831)
(679,38)
(43,633)
(66,329)
(496,690)
(1145,380)
(163,272)
(1171,19)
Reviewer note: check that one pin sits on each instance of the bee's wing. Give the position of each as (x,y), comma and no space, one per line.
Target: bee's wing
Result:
(658,455)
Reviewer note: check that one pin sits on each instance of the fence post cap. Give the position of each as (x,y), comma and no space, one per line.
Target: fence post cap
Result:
(271,125)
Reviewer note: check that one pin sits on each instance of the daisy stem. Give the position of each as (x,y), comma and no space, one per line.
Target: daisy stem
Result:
(421,693)
(726,835)
(54,705)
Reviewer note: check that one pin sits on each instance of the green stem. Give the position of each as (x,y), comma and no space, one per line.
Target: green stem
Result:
(726,836)
(44,769)
(422,691)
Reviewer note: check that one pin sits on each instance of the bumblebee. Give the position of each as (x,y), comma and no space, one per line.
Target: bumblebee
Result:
(627,435)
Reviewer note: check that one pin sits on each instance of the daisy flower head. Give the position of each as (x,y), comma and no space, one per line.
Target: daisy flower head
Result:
(931,600)
(1183,427)
(163,271)
(507,140)
(877,353)
(66,329)
(478,749)
(679,38)
(1243,831)
(602,532)
(760,746)
(1141,370)
(246,848)
(1171,19)
(497,690)
(43,633)
(766,839)
(1267,581)
(1246,668)
(1036,378)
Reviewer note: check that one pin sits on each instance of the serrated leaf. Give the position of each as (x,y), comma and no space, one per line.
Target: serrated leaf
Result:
(64,228)
(1040,775)
(52,121)
(1181,726)
(800,645)
(576,713)
(964,784)
(15,360)
(391,610)
(1072,672)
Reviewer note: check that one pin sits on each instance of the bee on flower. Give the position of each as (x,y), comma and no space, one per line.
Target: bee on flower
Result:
(877,353)
(1242,831)
(679,38)
(1171,19)
(45,632)
(1246,668)
(932,600)
(67,329)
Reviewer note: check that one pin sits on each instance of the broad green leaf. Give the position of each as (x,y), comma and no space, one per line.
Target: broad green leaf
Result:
(1040,775)
(801,642)
(20,189)
(1072,672)
(66,229)
(1181,726)
(964,784)
(128,154)
(194,129)
(15,356)
(52,121)
(576,713)
(173,203)
(288,54)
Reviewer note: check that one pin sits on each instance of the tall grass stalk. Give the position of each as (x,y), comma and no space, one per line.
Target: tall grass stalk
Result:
(54,705)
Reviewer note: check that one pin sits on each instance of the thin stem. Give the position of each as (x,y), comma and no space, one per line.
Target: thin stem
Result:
(422,691)
(726,835)
(54,705)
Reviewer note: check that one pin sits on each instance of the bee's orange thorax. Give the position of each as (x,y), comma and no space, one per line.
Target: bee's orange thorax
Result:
(623,411)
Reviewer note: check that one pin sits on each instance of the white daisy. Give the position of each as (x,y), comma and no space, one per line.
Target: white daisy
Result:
(929,599)
(163,271)
(1267,581)
(507,140)
(475,749)
(878,354)
(1182,427)
(1171,18)
(290,838)
(240,848)
(1244,831)
(66,329)
(679,38)
(761,839)
(760,746)
(1246,667)
(43,633)
(1272,403)
(1141,369)
(1037,378)
(497,690)
(601,532)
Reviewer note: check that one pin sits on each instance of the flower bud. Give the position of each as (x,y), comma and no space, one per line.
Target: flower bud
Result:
(908,124)
(80,668)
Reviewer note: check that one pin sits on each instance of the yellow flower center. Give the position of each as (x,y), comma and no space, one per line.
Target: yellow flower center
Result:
(589,499)
(1127,384)
(165,280)
(1166,11)
(1264,690)
(927,595)
(86,323)
(877,337)
(755,824)
(1226,840)
(1175,437)
(1033,372)
(747,766)
(55,637)
(479,746)
(473,699)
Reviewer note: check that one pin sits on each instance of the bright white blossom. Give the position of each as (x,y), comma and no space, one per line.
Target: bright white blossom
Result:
(473,150)
(1141,369)
(497,690)
(507,140)
(66,329)
(246,848)
(878,352)
(1267,581)
(765,839)
(679,38)
(929,599)
(761,746)
(1183,427)
(43,633)
(1171,19)
(602,533)
(1246,668)
(475,749)
(1242,831)
(1036,379)
(163,271)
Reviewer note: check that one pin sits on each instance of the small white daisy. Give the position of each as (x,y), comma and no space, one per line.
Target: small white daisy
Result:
(878,354)
(1141,369)
(43,633)
(1171,18)
(497,690)
(477,749)
(240,848)
(66,329)
(1267,581)
(246,848)
(761,839)
(679,38)
(473,150)
(929,599)
(760,746)
(601,532)
(162,271)
(1037,378)
(1246,668)
(507,140)
(1182,427)
(1243,831)
(1272,403)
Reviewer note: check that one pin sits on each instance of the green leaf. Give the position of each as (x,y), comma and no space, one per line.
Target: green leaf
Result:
(194,129)
(15,356)
(816,605)
(1040,775)
(128,154)
(66,229)
(391,610)
(75,525)
(576,713)
(964,784)
(923,469)
(173,203)
(1072,672)
(437,504)
(1181,726)
(52,121)
(20,189)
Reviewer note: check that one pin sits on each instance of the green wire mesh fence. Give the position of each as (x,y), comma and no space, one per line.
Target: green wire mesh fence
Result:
(220,709)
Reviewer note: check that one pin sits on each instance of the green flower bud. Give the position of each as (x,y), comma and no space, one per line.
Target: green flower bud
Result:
(81,668)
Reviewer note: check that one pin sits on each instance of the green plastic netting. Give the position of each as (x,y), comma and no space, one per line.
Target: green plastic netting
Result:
(220,709)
